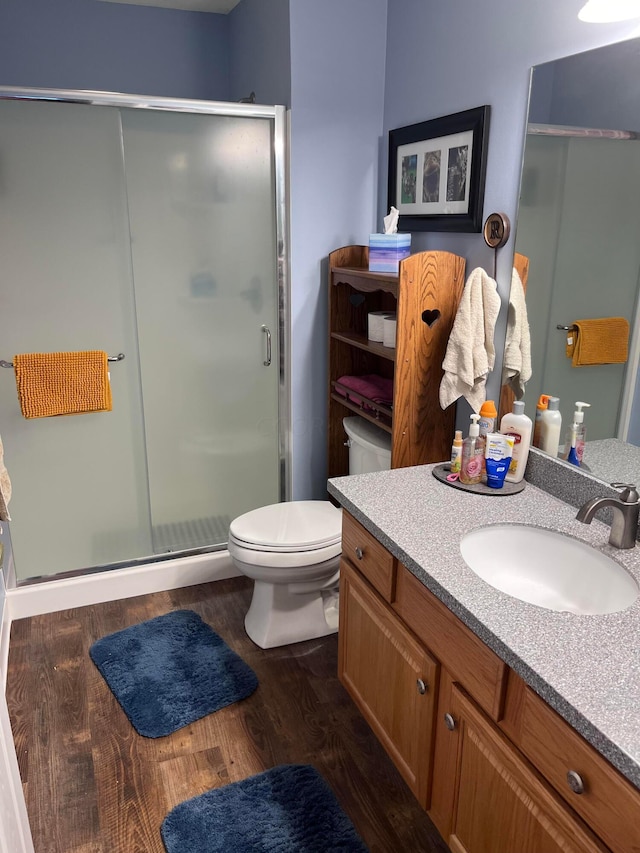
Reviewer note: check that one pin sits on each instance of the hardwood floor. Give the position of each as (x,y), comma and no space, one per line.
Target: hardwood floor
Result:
(93,785)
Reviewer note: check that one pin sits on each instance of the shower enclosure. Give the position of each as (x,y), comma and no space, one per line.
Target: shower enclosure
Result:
(153,228)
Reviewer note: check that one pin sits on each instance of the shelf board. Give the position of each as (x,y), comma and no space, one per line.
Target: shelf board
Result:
(359,411)
(363,343)
(363,280)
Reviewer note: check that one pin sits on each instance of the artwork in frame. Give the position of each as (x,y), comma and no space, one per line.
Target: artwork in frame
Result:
(437,171)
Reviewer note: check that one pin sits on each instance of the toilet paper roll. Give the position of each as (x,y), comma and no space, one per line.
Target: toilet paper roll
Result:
(389,331)
(374,325)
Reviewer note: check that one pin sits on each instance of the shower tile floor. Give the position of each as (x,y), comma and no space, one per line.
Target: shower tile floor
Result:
(183,535)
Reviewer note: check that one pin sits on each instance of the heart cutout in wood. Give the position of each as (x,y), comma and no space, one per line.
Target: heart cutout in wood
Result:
(356,299)
(430,316)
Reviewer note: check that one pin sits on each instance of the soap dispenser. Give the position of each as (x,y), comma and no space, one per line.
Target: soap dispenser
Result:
(472,454)
(576,436)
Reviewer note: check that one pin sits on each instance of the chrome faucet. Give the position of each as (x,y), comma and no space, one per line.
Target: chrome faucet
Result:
(626,511)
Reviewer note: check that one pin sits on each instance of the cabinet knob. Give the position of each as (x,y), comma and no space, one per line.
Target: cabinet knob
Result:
(575,782)
(422,686)
(449,722)
(359,553)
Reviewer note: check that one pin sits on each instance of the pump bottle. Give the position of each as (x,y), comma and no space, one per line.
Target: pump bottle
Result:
(472,454)
(519,425)
(576,436)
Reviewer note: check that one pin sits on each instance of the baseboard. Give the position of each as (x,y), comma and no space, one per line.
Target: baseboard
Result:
(5,631)
(49,597)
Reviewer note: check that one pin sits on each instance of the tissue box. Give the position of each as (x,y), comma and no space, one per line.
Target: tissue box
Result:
(387,250)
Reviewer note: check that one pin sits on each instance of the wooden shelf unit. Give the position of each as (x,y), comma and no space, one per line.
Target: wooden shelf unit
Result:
(425,295)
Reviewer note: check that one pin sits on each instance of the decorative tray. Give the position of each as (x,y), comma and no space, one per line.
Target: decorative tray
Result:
(442,471)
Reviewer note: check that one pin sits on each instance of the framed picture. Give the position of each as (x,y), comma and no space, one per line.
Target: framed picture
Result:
(437,170)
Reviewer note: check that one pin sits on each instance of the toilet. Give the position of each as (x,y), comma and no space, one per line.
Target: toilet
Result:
(292,551)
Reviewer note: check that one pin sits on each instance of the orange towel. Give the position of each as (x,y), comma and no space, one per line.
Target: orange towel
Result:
(62,383)
(601,341)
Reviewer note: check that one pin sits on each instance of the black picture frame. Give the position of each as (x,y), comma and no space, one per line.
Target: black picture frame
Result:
(431,181)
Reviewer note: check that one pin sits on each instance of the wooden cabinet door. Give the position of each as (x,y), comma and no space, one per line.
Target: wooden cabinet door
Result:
(390,677)
(501,804)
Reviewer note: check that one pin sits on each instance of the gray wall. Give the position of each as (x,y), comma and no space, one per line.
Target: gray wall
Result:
(86,44)
(337,87)
(259,51)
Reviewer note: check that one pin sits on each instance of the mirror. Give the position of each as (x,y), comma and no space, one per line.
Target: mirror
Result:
(579,227)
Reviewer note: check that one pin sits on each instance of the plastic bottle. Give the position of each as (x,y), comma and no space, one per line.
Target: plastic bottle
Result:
(472,453)
(488,416)
(486,424)
(519,425)
(541,407)
(456,452)
(550,427)
(576,436)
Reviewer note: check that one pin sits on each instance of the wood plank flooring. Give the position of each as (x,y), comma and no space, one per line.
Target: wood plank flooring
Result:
(93,785)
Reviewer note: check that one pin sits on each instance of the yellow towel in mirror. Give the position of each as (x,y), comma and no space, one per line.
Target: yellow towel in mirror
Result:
(62,383)
(604,340)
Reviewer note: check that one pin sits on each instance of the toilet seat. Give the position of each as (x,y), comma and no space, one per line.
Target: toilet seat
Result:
(292,527)
(283,559)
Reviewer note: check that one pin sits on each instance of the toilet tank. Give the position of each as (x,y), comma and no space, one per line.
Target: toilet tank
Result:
(369,446)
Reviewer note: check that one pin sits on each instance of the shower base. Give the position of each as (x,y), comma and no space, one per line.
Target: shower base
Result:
(196,533)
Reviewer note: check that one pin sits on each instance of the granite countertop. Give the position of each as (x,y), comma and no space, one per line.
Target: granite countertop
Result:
(586,667)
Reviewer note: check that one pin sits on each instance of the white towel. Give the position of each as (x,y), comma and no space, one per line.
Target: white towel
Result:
(470,352)
(5,488)
(516,366)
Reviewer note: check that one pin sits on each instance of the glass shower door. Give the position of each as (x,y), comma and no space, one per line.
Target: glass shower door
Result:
(80,494)
(203,241)
(152,233)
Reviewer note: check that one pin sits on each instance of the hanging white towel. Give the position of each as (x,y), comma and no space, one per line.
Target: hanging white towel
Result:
(516,366)
(470,352)
(5,488)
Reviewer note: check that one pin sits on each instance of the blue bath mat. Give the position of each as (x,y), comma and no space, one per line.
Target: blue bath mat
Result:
(170,671)
(289,809)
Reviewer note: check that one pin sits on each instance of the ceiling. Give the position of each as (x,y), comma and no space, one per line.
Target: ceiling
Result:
(219,6)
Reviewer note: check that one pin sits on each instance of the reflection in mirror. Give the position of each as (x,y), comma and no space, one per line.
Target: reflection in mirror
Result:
(579,227)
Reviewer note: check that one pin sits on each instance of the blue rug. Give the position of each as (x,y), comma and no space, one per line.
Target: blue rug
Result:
(170,671)
(289,809)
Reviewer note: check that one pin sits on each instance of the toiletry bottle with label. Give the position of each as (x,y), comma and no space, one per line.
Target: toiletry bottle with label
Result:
(456,452)
(519,425)
(472,455)
(541,407)
(576,436)
(550,427)
(486,424)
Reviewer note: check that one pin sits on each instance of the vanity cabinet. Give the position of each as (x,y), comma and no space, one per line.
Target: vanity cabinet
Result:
(488,759)
(424,295)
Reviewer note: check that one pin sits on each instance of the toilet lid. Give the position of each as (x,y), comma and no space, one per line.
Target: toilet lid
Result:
(289,526)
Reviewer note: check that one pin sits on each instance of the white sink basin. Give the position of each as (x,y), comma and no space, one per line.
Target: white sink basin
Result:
(548,569)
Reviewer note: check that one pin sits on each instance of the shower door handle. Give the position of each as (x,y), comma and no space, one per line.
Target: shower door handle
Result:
(267,332)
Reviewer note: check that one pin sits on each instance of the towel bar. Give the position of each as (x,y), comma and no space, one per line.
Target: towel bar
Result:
(566,328)
(118,357)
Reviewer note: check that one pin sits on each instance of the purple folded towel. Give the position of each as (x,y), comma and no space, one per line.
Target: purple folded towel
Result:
(373,387)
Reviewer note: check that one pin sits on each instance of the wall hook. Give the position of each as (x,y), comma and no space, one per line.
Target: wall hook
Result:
(496,232)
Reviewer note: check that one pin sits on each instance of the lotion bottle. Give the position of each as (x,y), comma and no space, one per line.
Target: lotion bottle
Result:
(519,425)
(550,426)
(472,454)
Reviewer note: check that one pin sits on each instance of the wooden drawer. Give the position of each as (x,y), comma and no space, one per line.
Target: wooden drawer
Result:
(370,557)
(470,662)
(609,803)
